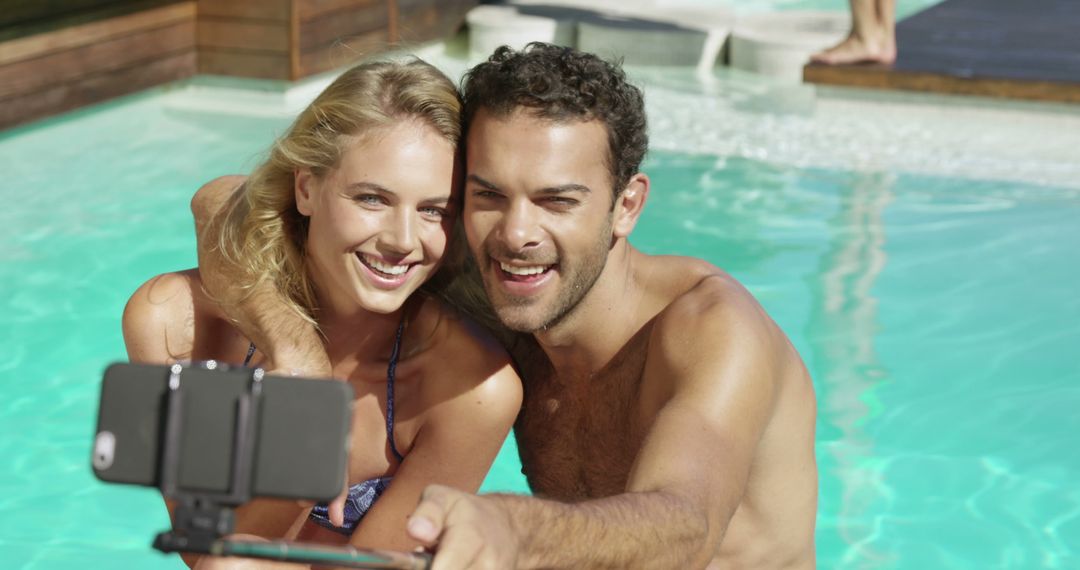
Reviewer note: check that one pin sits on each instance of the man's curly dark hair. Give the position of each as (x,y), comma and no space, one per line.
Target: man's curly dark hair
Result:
(563,84)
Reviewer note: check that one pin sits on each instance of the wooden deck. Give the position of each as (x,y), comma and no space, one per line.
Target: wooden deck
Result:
(997,48)
(64,54)
(84,56)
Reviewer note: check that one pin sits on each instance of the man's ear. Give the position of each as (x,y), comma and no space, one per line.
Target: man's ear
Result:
(303,187)
(629,204)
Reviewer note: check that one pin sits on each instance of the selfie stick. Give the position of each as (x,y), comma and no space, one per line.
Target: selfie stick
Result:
(202,520)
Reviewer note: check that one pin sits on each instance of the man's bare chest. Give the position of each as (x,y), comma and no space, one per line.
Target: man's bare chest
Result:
(580,443)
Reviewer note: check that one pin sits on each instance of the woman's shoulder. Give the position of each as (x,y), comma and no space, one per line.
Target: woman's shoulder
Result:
(160,317)
(467,358)
(210,197)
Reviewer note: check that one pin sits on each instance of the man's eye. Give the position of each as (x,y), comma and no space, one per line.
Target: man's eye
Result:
(562,202)
(486,194)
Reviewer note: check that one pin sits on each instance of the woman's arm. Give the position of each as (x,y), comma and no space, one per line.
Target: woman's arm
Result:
(471,397)
(292,345)
(159,326)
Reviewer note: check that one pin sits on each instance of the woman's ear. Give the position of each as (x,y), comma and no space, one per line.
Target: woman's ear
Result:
(629,204)
(303,186)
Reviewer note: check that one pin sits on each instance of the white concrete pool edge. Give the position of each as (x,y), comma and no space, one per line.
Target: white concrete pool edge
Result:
(734,114)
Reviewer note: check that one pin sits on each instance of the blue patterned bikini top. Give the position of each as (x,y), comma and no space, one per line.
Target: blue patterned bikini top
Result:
(363,494)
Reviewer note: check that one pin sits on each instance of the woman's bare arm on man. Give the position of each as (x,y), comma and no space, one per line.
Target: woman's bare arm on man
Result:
(292,344)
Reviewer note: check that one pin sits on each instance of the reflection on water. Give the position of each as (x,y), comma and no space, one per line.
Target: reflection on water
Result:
(841,332)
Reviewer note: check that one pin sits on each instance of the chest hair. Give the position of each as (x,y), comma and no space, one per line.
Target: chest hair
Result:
(578,437)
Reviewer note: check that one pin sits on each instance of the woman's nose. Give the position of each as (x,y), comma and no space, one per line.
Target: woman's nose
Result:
(401,235)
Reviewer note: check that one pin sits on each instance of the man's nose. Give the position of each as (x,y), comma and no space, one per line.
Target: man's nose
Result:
(520,229)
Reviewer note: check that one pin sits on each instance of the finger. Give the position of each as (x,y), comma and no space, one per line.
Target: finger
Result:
(428,519)
(335,511)
(459,549)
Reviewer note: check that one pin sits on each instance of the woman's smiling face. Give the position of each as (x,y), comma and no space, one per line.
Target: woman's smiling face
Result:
(380,222)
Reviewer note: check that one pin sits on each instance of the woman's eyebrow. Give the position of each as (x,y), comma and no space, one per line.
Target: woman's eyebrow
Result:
(368,186)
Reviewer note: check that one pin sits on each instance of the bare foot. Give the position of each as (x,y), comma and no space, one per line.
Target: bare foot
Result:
(857,50)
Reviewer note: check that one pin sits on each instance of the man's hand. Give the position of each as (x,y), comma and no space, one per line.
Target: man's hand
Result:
(465,530)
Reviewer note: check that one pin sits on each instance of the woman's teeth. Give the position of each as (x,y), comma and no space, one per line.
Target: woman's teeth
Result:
(382,267)
(529,270)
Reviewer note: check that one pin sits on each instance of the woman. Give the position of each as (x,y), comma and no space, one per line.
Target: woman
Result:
(349,216)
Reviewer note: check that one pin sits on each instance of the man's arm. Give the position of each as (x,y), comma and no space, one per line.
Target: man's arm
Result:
(687,481)
(291,344)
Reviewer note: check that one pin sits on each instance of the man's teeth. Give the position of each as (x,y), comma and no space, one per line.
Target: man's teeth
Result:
(386,267)
(530,270)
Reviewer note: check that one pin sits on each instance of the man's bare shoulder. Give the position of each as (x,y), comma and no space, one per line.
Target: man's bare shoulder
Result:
(712,321)
(695,291)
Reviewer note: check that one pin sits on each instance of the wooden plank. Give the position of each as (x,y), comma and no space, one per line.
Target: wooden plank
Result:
(60,14)
(244,64)
(243,34)
(883,77)
(268,10)
(20,12)
(342,53)
(294,42)
(320,32)
(94,32)
(310,9)
(70,65)
(426,20)
(95,88)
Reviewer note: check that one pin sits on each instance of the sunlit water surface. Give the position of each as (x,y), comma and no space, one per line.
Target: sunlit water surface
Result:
(920,252)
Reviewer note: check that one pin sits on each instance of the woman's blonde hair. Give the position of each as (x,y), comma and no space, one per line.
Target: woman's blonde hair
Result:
(263,234)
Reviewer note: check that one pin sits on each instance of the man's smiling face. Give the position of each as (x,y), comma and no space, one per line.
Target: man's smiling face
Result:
(538,213)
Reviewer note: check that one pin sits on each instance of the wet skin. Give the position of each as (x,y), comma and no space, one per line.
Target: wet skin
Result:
(378,228)
(657,390)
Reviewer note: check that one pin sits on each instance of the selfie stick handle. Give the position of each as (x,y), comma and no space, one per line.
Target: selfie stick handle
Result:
(347,555)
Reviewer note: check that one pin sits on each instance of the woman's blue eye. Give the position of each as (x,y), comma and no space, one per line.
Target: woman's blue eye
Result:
(371,199)
(434,212)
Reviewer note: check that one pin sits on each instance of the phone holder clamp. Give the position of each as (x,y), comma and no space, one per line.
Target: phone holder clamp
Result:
(201,519)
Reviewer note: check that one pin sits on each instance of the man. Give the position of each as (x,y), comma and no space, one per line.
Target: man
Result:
(667,421)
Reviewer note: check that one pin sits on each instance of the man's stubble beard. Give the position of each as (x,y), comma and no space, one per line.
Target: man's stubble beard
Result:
(578,282)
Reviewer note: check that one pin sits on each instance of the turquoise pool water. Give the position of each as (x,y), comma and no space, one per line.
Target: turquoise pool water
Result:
(921,253)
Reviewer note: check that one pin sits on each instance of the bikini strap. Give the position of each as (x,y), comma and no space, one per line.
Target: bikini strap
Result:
(251,352)
(394,354)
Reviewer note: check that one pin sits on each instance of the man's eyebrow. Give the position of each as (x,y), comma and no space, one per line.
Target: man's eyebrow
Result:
(565,188)
(559,189)
(481,181)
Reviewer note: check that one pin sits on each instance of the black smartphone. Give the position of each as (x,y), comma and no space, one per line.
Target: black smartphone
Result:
(299,448)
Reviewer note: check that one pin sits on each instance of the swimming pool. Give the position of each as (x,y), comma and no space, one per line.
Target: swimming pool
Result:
(921,252)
